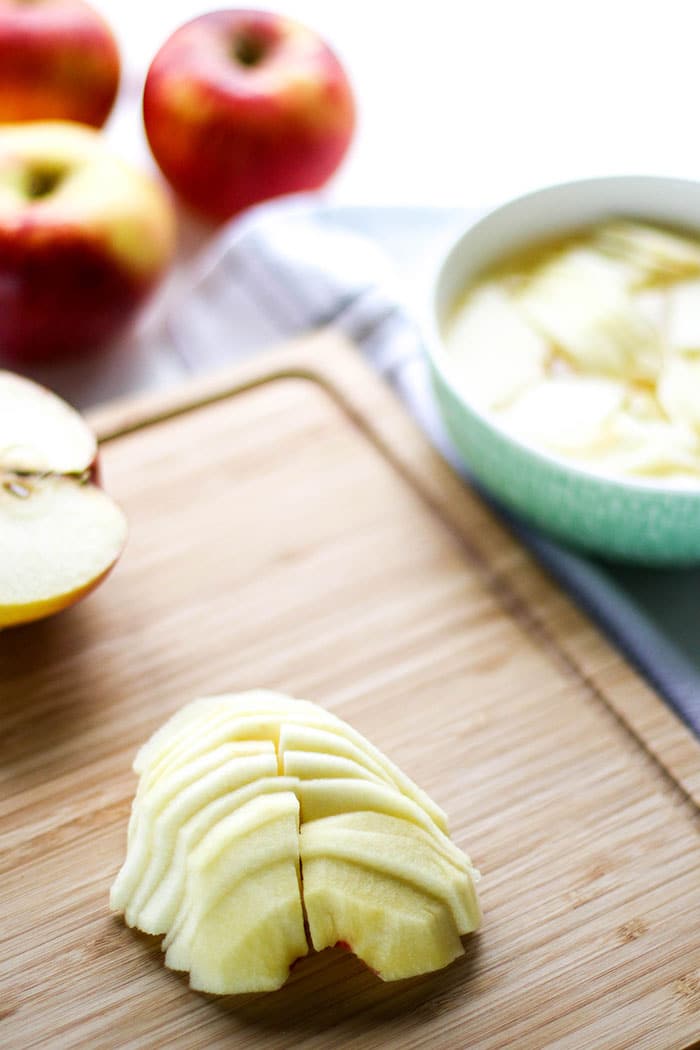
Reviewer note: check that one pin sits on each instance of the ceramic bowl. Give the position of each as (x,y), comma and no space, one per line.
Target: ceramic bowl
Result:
(639,520)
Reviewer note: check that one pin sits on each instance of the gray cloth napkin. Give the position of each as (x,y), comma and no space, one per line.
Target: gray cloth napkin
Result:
(297,265)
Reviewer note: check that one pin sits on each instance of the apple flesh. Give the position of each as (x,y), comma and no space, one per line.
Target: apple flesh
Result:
(243,893)
(40,433)
(240,106)
(235,836)
(59,533)
(83,239)
(58,61)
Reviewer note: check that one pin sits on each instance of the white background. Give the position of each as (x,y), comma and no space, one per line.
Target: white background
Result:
(471,102)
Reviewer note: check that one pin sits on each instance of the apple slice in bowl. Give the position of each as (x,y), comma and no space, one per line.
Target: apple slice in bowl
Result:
(59,533)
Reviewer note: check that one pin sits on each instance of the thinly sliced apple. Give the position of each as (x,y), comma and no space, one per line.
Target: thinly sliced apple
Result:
(199,714)
(396,776)
(160,911)
(219,781)
(495,353)
(264,715)
(590,317)
(653,255)
(243,925)
(328,798)
(39,432)
(59,538)
(234,830)
(395,929)
(145,815)
(387,826)
(398,850)
(196,727)
(297,737)
(310,765)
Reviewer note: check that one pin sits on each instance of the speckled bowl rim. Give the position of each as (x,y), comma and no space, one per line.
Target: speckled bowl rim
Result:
(439,359)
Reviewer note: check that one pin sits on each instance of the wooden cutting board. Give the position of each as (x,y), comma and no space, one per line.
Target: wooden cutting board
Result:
(291,528)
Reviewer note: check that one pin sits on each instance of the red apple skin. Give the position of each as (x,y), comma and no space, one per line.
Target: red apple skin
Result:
(229,133)
(58,60)
(61,294)
(76,258)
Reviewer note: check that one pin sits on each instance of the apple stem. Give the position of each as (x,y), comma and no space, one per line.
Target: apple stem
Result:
(248,49)
(41,182)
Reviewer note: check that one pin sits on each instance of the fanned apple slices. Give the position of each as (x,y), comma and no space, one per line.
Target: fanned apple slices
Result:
(258,817)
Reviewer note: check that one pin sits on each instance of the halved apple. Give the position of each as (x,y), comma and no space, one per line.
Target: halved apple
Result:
(59,533)
(250,808)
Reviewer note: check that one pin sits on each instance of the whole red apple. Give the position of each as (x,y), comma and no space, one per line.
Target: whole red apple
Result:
(58,60)
(240,106)
(83,238)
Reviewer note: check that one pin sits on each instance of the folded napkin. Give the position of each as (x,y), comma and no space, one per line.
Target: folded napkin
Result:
(289,269)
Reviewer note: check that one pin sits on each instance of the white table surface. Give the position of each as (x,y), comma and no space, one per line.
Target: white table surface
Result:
(468,102)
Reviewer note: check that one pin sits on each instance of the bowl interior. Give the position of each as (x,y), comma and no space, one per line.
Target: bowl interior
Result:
(557,211)
(550,213)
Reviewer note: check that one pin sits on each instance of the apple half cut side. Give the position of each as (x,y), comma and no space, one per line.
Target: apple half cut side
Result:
(59,537)
(59,533)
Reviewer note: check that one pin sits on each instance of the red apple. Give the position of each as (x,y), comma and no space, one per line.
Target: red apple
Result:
(240,106)
(58,60)
(83,238)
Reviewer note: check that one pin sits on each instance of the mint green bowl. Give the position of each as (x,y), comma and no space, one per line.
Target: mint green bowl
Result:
(636,520)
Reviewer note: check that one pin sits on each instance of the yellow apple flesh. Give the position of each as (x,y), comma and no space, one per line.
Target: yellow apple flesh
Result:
(59,533)
(255,810)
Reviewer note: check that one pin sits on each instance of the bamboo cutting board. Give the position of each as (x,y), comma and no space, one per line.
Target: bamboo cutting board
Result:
(290,528)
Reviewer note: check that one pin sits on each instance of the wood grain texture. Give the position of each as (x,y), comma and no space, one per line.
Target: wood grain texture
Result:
(290,528)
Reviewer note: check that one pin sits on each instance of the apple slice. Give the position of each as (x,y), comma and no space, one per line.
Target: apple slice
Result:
(575,301)
(243,924)
(289,723)
(655,256)
(334,728)
(59,539)
(142,827)
(396,930)
(310,765)
(396,849)
(158,836)
(297,737)
(159,913)
(330,797)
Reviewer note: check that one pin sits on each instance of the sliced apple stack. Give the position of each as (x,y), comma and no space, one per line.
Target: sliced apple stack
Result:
(258,818)
(59,533)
